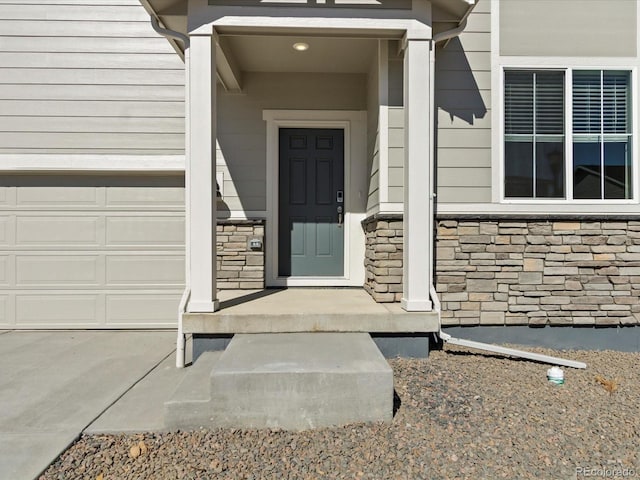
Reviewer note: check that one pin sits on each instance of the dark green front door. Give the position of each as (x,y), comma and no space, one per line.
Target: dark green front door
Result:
(311,202)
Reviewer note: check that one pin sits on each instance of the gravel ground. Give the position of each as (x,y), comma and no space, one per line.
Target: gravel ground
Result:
(461,415)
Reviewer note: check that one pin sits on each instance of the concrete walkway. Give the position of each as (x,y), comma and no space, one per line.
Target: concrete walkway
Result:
(54,385)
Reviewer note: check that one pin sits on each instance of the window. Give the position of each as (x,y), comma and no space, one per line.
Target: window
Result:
(534,134)
(538,163)
(601,135)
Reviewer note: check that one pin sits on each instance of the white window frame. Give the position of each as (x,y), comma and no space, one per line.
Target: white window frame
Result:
(568,66)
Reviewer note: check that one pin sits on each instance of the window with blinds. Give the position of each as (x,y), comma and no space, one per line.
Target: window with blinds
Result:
(534,129)
(601,134)
(537,159)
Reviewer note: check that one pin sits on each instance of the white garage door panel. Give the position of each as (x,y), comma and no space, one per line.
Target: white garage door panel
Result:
(58,309)
(5,275)
(82,251)
(58,230)
(4,307)
(138,231)
(57,196)
(142,309)
(55,270)
(150,197)
(4,231)
(145,270)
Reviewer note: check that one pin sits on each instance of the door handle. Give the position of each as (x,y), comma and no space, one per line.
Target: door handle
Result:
(339,215)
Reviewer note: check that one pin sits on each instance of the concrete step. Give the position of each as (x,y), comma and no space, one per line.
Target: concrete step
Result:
(293,381)
(189,405)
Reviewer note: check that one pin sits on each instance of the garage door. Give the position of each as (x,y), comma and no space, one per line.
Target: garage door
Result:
(91,251)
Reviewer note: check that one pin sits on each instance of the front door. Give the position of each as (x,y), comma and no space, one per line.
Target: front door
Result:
(311,202)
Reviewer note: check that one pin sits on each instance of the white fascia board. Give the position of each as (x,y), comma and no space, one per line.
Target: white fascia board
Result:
(374,27)
(91,163)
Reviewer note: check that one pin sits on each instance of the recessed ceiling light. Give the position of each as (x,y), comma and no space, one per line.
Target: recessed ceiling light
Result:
(301,46)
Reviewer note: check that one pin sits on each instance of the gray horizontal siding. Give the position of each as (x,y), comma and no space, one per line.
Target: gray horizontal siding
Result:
(93,76)
(87,28)
(101,13)
(90,108)
(150,61)
(594,28)
(165,125)
(463,99)
(87,77)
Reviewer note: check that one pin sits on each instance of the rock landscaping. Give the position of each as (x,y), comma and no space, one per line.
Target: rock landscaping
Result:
(460,414)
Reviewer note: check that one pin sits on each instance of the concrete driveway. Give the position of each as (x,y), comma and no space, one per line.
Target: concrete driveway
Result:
(54,385)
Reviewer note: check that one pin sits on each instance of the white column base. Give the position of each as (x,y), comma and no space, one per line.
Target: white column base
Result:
(203,307)
(416,305)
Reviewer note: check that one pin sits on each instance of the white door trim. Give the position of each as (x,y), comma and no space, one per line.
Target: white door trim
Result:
(354,125)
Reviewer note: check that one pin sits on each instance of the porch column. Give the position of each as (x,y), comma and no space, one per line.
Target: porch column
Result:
(201,174)
(417,176)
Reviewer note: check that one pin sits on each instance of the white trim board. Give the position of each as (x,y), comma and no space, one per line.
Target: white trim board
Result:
(241,214)
(225,22)
(91,163)
(355,127)
(386,208)
(540,209)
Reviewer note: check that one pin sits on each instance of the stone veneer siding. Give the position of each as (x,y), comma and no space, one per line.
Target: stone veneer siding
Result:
(383,257)
(529,272)
(238,266)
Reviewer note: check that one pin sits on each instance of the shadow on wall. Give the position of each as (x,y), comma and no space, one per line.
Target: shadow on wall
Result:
(222,209)
(457,91)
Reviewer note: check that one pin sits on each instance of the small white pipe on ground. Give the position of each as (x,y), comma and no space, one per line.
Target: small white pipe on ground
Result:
(498,349)
(181,341)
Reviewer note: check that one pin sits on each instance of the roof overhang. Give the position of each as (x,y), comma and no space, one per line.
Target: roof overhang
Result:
(172,14)
(448,18)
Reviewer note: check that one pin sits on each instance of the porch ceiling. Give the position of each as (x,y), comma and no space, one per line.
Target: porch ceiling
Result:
(276,54)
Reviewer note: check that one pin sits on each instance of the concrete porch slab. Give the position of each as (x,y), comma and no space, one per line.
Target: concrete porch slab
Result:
(307,310)
(292,381)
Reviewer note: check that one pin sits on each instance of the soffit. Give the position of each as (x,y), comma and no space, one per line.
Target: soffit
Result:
(450,10)
(276,54)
